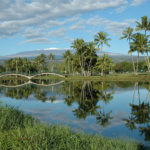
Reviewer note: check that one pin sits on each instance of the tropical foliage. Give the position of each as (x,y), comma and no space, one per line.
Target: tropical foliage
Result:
(138,42)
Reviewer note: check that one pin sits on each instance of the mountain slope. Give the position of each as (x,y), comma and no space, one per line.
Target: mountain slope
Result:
(117,57)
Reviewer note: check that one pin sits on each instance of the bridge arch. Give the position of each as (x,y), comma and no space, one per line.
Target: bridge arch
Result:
(47,74)
(30,82)
(30,77)
(15,74)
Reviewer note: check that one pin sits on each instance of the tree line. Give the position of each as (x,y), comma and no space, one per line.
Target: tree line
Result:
(41,63)
(139,42)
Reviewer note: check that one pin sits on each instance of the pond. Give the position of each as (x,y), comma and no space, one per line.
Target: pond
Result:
(112,109)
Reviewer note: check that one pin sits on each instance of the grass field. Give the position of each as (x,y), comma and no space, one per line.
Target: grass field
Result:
(114,77)
(22,132)
(111,77)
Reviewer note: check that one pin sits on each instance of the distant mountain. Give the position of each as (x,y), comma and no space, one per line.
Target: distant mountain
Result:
(117,57)
(34,53)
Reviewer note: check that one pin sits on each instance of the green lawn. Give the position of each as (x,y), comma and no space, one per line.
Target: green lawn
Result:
(111,77)
(114,77)
(22,132)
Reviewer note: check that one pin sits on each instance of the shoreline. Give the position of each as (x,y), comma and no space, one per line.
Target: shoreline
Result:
(23,131)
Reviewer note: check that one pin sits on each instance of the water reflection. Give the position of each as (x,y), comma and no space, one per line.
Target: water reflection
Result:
(92,99)
(140,112)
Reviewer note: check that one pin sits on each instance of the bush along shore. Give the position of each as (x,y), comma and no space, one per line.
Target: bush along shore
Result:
(19,131)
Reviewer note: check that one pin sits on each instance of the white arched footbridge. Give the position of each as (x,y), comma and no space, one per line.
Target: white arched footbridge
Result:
(30,77)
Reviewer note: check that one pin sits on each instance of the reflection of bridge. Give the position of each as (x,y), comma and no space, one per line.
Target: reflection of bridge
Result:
(30,82)
(30,77)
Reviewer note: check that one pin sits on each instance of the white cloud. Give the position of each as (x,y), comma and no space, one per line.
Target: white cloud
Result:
(78,25)
(137,2)
(17,15)
(39,40)
(57,33)
(115,27)
(32,33)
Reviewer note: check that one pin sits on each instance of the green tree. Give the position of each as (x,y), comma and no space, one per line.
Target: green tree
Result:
(51,58)
(127,34)
(102,39)
(67,59)
(40,62)
(145,26)
(141,45)
(104,64)
(2,69)
(85,56)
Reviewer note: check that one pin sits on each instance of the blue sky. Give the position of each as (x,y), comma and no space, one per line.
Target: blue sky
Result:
(40,24)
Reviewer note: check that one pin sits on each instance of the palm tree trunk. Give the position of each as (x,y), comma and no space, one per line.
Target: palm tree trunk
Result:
(102,72)
(148,62)
(138,63)
(133,63)
(68,68)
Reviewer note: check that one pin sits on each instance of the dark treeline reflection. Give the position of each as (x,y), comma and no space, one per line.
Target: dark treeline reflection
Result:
(91,99)
(88,95)
(12,82)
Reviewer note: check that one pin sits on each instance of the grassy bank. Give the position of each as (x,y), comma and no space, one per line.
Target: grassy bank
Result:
(113,77)
(22,132)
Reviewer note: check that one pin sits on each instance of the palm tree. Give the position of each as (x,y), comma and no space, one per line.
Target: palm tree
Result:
(79,45)
(144,25)
(103,64)
(141,45)
(91,57)
(67,57)
(102,39)
(40,61)
(127,34)
(51,58)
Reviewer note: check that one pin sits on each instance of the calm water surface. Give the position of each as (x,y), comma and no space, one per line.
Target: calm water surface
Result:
(112,109)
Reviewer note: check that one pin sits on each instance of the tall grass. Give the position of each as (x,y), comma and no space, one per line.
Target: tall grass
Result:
(22,132)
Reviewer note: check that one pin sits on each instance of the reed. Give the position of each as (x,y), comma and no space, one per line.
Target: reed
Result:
(19,131)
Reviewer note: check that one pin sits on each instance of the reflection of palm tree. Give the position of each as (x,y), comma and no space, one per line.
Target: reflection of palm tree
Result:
(140,116)
(130,123)
(103,118)
(87,99)
(52,98)
(80,113)
(141,112)
(69,100)
(146,132)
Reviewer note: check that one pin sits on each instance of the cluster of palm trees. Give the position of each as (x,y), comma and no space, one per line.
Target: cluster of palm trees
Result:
(40,63)
(85,60)
(139,42)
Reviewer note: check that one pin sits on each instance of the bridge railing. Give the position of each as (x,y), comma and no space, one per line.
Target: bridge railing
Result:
(30,76)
